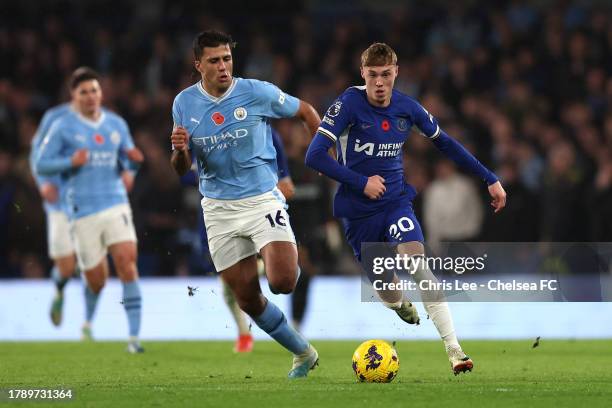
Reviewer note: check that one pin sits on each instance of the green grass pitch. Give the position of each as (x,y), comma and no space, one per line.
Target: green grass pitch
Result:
(207,374)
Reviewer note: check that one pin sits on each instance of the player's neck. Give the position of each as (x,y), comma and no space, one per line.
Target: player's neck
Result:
(215,91)
(93,115)
(379,104)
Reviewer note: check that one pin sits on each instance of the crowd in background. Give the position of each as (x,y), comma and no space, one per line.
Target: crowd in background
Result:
(526,86)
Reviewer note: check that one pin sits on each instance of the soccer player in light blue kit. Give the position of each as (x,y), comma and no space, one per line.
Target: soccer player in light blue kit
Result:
(59,242)
(93,150)
(224,122)
(244,342)
(369,125)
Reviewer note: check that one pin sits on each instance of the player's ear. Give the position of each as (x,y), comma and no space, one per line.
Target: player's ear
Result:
(197,65)
(362,72)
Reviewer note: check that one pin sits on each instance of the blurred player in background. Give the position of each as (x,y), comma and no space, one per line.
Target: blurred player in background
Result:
(94,149)
(369,125)
(59,241)
(223,121)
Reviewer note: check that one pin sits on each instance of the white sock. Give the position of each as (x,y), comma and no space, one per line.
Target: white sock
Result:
(237,313)
(437,308)
(440,315)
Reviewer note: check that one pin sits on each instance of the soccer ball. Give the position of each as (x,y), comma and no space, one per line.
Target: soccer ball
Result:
(375,361)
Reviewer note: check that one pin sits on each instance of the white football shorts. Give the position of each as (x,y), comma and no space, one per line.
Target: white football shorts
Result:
(237,229)
(59,240)
(94,233)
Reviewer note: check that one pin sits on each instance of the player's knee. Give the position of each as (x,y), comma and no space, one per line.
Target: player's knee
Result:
(129,274)
(66,271)
(282,275)
(66,266)
(126,266)
(282,284)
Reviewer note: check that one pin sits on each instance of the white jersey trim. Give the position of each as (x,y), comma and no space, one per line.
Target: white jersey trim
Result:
(217,99)
(93,123)
(436,134)
(327,133)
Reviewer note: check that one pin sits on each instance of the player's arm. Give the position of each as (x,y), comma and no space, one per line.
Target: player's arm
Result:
(181,158)
(50,161)
(46,186)
(457,153)
(337,119)
(34,148)
(318,158)
(130,165)
(309,116)
(282,105)
(130,157)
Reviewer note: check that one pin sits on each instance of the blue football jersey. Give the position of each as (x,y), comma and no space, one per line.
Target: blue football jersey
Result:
(97,185)
(230,136)
(47,120)
(369,141)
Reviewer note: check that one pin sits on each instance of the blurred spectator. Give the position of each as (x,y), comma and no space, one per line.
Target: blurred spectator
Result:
(563,196)
(518,222)
(526,85)
(452,207)
(157,195)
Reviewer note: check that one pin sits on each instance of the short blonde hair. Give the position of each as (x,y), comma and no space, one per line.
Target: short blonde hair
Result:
(378,55)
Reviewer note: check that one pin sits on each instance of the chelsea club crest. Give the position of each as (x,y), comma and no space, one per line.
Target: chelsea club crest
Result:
(402,124)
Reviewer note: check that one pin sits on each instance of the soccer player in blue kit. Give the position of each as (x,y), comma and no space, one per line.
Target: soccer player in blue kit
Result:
(369,125)
(93,150)
(224,121)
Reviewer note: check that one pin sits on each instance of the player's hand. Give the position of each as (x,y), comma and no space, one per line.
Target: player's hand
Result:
(180,138)
(498,195)
(128,180)
(286,187)
(48,192)
(135,155)
(80,157)
(375,188)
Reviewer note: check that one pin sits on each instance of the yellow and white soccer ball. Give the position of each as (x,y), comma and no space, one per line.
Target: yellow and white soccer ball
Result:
(375,361)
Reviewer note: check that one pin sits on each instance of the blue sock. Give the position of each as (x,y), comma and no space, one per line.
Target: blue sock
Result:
(91,300)
(273,322)
(132,304)
(57,279)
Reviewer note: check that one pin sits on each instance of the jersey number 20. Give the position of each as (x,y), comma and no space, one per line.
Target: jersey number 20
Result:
(404,224)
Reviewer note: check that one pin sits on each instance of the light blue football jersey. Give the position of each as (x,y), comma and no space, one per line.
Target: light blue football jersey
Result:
(97,185)
(47,120)
(230,136)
